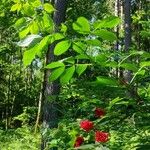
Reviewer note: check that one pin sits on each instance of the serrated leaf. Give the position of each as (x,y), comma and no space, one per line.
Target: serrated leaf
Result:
(56,73)
(65,78)
(80,68)
(54,65)
(82,25)
(30,39)
(62,47)
(48,7)
(105,35)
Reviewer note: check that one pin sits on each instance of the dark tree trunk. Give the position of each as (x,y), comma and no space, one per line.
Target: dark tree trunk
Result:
(127,11)
(117,29)
(51,90)
(127,40)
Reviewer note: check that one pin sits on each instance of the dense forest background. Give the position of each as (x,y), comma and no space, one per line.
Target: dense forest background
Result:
(74,74)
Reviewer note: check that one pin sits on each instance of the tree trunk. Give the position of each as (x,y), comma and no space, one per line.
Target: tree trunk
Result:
(51,90)
(127,11)
(117,29)
(127,40)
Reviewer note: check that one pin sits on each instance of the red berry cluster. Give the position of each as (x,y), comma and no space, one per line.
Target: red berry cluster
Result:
(87,125)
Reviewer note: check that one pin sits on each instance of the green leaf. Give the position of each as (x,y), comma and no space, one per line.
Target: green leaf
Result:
(145,64)
(63,28)
(82,25)
(67,75)
(34,29)
(69,60)
(101,58)
(48,23)
(20,23)
(114,101)
(93,42)
(48,7)
(56,73)
(145,34)
(87,146)
(23,33)
(28,9)
(80,68)
(57,36)
(109,22)
(14,7)
(54,65)
(112,64)
(29,55)
(141,72)
(43,45)
(129,66)
(29,40)
(82,56)
(107,81)
(79,47)
(105,35)
(62,47)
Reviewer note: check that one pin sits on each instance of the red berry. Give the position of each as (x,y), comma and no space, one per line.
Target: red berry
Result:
(101,136)
(86,125)
(99,112)
(79,141)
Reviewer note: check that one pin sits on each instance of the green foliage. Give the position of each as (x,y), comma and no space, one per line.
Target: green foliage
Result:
(89,71)
(21,138)
(62,47)
(82,25)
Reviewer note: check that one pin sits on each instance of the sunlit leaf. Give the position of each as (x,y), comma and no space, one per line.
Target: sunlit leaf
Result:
(48,7)
(54,65)
(30,39)
(56,73)
(29,56)
(79,47)
(82,25)
(109,22)
(145,64)
(62,47)
(105,35)
(80,68)
(67,75)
